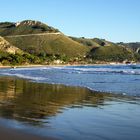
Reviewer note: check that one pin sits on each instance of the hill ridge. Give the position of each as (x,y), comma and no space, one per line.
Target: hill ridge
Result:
(43,43)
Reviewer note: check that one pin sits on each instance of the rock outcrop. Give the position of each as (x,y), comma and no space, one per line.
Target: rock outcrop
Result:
(5,46)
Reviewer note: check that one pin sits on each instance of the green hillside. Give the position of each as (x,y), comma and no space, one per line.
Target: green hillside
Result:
(35,42)
(134,46)
(49,44)
(11,55)
(86,42)
(92,42)
(38,39)
(103,50)
(25,27)
(111,53)
(6,47)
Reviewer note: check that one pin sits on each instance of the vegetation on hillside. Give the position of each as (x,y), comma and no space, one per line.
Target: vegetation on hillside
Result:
(102,50)
(92,42)
(111,53)
(134,46)
(25,43)
(17,59)
(25,27)
(86,42)
(49,44)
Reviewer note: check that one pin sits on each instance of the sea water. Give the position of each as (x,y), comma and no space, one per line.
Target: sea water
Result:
(100,102)
(117,79)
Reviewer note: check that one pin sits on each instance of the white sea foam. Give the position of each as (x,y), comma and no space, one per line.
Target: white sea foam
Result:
(82,70)
(100,70)
(71,75)
(25,76)
(32,68)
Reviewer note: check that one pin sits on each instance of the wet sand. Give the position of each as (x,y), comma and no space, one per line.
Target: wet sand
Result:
(64,112)
(11,134)
(57,65)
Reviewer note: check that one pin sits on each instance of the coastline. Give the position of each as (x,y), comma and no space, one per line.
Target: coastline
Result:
(61,65)
(94,100)
(12,134)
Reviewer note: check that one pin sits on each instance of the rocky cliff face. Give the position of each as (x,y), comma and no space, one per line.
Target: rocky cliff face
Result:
(5,46)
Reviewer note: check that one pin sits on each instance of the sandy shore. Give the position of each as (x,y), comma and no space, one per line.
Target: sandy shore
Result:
(11,134)
(28,66)
(59,65)
(21,66)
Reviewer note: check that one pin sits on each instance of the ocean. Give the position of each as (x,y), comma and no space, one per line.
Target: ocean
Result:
(117,79)
(100,102)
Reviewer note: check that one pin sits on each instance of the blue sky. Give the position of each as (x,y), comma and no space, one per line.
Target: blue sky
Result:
(114,20)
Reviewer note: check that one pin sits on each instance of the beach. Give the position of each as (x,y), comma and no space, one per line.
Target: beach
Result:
(64,103)
(62,65)
(11,134)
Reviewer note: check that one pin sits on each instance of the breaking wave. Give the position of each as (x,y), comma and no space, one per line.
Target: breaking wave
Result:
(25,77)
(106,78)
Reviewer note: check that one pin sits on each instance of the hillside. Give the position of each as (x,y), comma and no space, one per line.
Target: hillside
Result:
(134,46)
(49,44)
(92,42)
(6,47)
(11,55)
(38,38)
(103,50)
(35,42)
(111,53)
(25,27)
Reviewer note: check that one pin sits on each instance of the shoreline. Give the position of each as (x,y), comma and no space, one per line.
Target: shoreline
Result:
(23,134)
(12,134)
(61,65)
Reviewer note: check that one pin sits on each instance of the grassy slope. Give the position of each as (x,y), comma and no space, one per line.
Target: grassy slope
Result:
(6,47)
(111,53)
(11,55)
(51,44)
(97,49)
(86,42)
(92,42)
(133,46)
(103,50)
(25,27)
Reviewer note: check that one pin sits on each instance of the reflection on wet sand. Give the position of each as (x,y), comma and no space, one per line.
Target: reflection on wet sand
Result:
(33,102)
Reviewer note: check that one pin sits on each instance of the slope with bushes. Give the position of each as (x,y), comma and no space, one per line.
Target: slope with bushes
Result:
(25,27)
(11,55)
(49,44)
(111,53)
(35,42)
(102,50)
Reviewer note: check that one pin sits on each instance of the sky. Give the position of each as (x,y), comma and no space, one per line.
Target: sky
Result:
(113,20)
